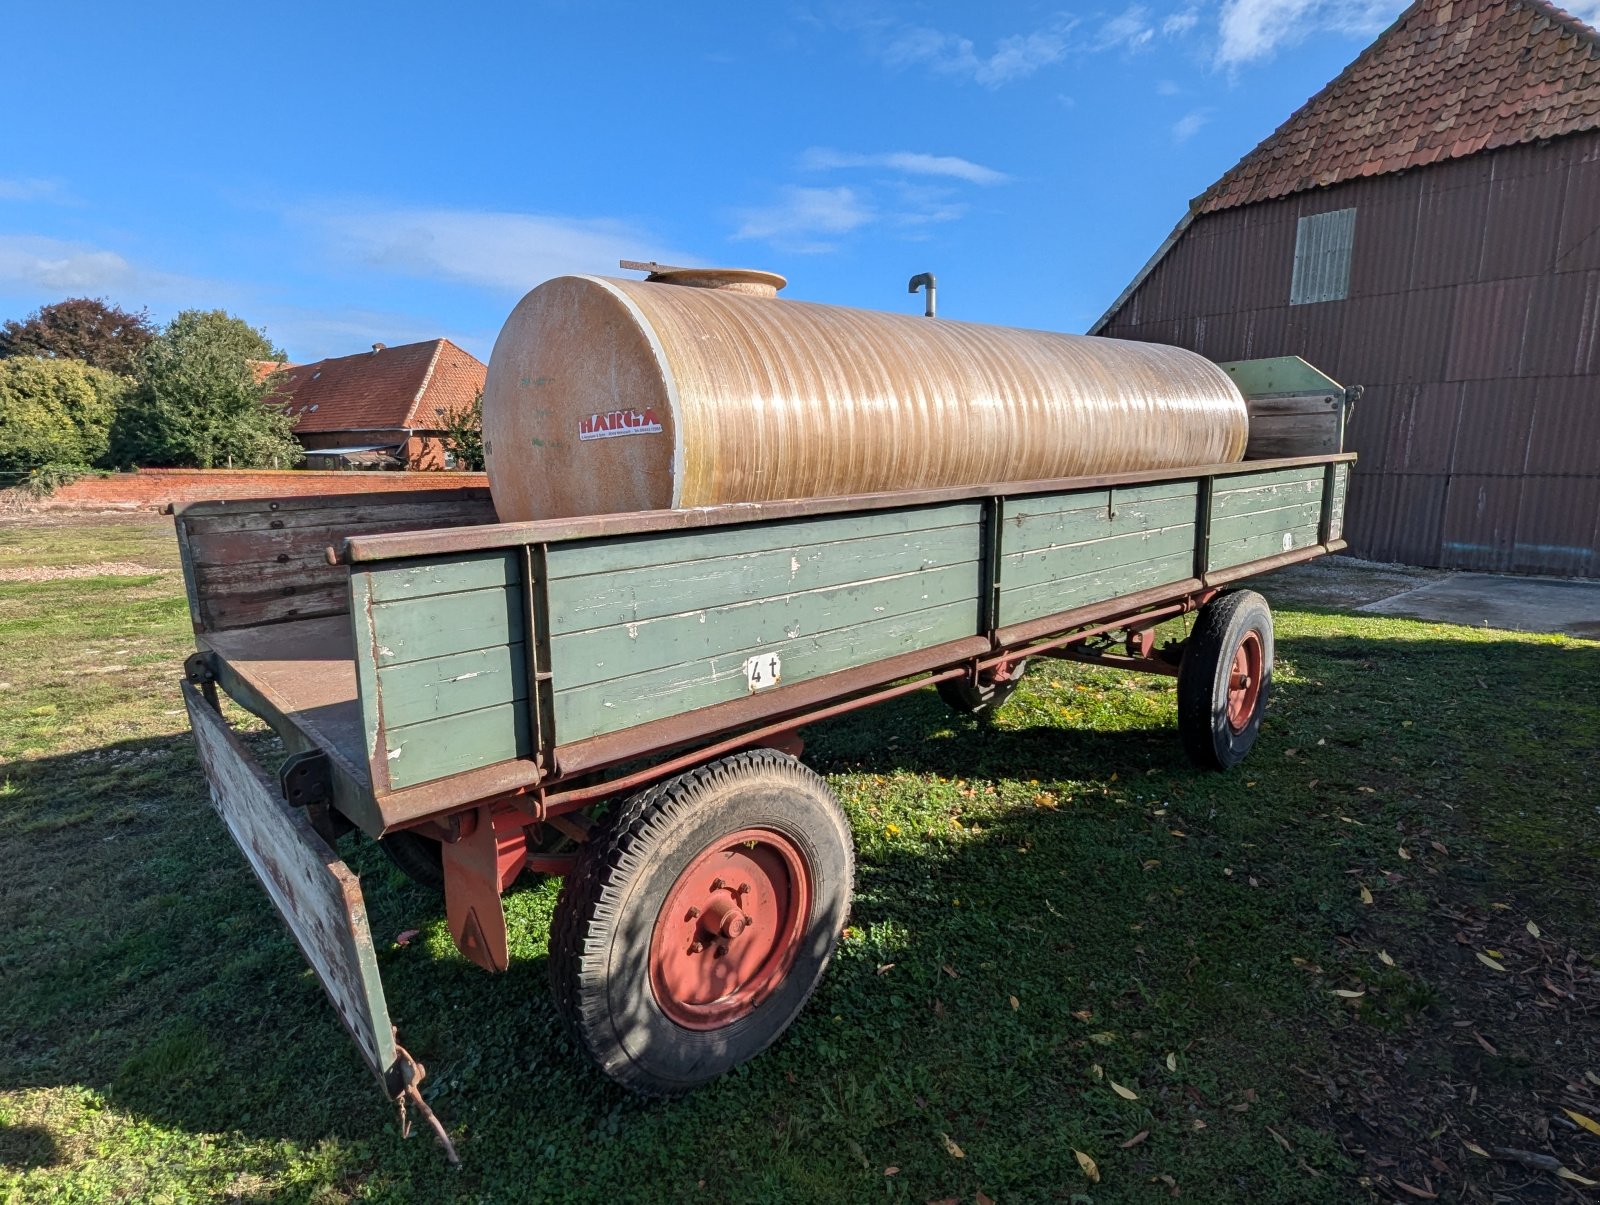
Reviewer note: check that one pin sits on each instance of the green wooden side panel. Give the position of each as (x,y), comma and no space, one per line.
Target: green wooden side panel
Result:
(427,576)
(1341,485)
(441,686)
(612,554)
(1226,529)
(748,628)
(1280,374)
(416,629)
(451,744)
(633,595)
(1098,585)
(1266,543)
(1062,562)
(1026,530)
(622,702)
(440,660)
(1256,481)
(1244,501)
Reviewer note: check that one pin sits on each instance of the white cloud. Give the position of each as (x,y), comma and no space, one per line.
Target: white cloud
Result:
(1014,58)
(1128,30)
(804,219)
(1253,29)
(911,163)
(1187,126)
(31,189)
(499,251)
(38,263)
(1587,11)
(1180,23)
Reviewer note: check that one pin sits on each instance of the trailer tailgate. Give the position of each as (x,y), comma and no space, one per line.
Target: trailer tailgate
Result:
(316,894)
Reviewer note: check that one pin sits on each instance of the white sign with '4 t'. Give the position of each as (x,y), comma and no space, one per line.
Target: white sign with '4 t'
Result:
(763,670)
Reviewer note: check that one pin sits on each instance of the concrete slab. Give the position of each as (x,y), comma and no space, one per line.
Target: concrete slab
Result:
(1493,600)
(1510,602)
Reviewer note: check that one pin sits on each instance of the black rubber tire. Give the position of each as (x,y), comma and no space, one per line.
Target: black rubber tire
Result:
(419,858)
(981,700)
(604,921)
(1220,627)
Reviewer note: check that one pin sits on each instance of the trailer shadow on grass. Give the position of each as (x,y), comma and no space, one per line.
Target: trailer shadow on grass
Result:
(1045,904)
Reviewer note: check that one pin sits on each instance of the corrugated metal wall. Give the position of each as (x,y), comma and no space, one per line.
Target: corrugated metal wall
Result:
(1473,320)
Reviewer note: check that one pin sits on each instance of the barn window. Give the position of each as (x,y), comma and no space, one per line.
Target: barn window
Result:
(1322,245)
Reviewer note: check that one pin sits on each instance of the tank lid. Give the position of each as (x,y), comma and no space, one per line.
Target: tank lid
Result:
(750,281)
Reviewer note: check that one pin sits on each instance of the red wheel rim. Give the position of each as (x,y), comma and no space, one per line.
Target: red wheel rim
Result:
(730,928)
(1244,681)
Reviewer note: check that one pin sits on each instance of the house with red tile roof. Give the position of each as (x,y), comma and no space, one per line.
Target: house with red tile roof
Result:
(384,408)
(1427,226)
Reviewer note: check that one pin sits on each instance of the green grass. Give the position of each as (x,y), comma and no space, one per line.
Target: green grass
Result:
(1045,904)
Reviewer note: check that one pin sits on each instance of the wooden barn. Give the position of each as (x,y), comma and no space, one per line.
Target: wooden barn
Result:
(1428,226)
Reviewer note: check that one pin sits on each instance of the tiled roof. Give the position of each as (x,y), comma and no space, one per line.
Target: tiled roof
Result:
(1449,78)
(385,389)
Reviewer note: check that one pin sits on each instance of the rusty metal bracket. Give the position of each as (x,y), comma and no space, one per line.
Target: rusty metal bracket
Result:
(306,779)
(197,669)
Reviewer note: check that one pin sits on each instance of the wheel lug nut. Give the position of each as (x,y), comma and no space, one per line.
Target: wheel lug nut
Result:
(717,885)
(696,947)
(694,914)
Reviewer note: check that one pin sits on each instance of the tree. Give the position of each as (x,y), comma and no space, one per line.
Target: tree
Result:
(80,328)
(463,434)
(55,412)
(200,401)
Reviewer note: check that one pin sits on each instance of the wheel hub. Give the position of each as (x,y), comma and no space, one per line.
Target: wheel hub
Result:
(729,928)
(1244,681)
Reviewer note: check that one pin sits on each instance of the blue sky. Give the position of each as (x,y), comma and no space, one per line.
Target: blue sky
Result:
(345,173)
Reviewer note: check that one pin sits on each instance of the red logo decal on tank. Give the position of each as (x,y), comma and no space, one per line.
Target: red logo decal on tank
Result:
(619,422)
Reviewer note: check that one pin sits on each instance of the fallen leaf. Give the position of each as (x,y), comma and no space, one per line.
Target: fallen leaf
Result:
(891,1170)
(1282,1141)
(1534,929)
(1097,1071)
(885,968)
(1564,1174)
(1348,994)
(1125,1093)
(1172,1061)
(950,971)
(1438,847)
(1366,896)
(983,1198)
(1103,1039)
(1587,1123)
(1476,1149)
(1592,1078)
(950,1145)
(404,939)
(1498,906)
(1088,1165)
(1383,957)
(1015,1004)
(1135,1140)
(1197,1125)
(1416,1192)
(1177,832)
(1489,962)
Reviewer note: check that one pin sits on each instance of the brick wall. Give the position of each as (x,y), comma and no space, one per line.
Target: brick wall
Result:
(154,489)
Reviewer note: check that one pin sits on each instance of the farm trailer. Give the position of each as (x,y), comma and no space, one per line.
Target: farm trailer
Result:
(617,699)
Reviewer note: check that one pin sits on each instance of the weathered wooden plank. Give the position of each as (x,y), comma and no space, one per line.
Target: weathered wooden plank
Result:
(1060,562)
(1341,483)
(1229,482)
(461,682)
(1264,497)
(1122,495)
(428,576)
(618,703)
(1032,532)
(1063,594)
(368,511)
(743,629)
(1294,404)
(366,658)
(272,605)
(415,629)
(1273,435)
(356,495)
(612,554)
(1228,528)
(302,569)
(633,595)
(1260,545)
(313,891)
(451,744)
